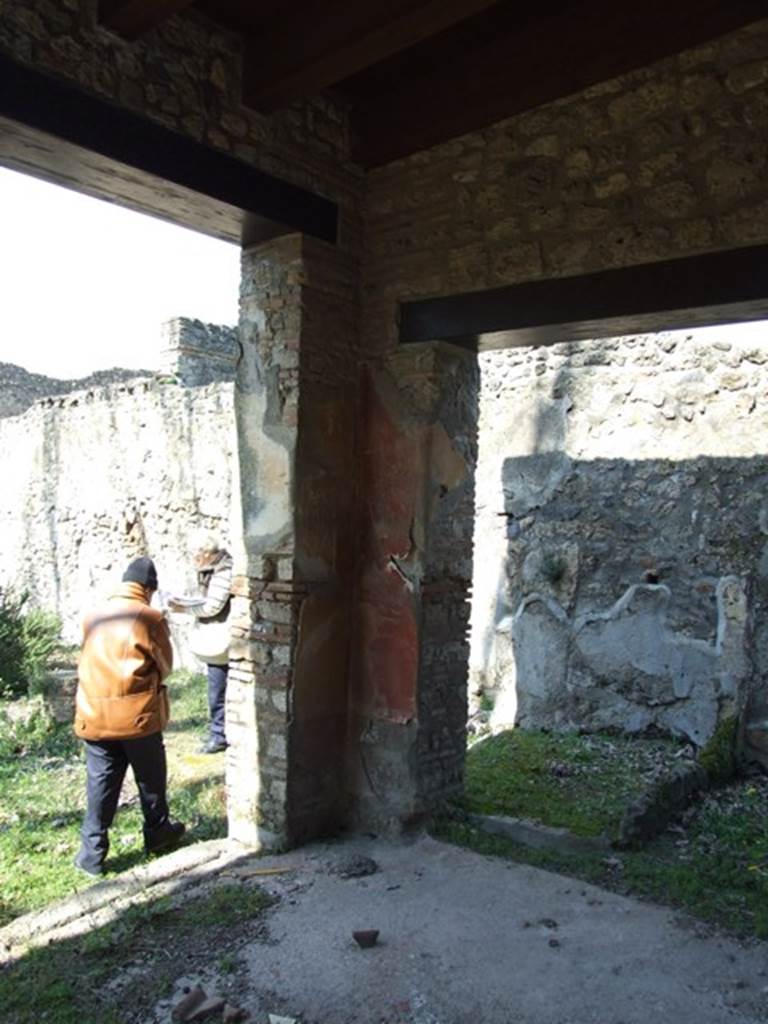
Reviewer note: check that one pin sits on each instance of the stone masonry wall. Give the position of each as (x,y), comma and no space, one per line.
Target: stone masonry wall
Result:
(621,542)
(666,161)
(107,468)
(194,353)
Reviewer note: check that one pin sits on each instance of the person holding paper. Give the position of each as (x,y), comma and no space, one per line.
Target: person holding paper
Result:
(210,636)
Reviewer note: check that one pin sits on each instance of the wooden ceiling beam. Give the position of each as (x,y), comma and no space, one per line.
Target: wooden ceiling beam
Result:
(716,287)
(553,57)
(337,40)
(133,18)
(65,134)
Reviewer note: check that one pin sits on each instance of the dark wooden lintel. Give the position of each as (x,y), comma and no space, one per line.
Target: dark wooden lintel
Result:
(717,287)
(248,203)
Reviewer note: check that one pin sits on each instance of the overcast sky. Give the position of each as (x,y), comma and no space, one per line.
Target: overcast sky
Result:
(85,285)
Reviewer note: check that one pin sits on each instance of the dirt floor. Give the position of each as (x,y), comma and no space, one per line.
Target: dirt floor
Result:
(468,939)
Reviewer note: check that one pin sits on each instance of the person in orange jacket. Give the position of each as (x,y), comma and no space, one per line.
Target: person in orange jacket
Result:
(121,709)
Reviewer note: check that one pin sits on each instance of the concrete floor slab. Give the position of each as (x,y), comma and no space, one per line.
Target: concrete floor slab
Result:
(468,939)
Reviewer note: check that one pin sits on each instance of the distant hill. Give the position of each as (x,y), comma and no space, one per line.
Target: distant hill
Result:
(19,388)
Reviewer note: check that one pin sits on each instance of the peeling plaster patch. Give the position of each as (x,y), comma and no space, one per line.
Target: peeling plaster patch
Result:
(266,473)
(395,566)
(530,483)
(408,566)
(447,465)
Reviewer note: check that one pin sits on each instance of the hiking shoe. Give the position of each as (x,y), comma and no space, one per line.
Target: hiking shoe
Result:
(213,746)
(164,837)
(89,867)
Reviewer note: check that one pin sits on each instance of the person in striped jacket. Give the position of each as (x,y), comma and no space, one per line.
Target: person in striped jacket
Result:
(210,637)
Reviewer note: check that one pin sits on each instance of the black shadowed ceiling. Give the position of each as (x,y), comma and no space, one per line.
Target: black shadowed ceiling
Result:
(415,74)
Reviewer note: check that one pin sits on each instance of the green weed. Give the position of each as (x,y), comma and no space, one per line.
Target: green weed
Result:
(66,983)
(227,963)
(28,638)
(718,756)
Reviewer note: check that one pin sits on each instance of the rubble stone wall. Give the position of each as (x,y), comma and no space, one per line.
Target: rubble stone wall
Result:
(195,353)
(111,467)
(621,545)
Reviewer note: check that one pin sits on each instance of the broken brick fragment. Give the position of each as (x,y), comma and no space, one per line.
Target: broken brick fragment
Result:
(208,1008)
(190,1002)
(233,1014)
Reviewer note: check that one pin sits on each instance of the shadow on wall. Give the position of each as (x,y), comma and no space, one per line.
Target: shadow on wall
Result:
(631,588)
(637,590)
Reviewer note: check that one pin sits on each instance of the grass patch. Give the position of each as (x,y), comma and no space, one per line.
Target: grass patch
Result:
(582,783)
(713,863)
(118,972)
(42,782)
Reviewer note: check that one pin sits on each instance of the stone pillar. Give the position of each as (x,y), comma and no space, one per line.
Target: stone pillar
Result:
(409,680)
(295,393)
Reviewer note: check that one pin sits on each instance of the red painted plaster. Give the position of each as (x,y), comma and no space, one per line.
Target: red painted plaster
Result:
(394,450)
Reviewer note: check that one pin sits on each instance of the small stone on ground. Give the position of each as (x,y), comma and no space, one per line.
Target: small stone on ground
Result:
(355,867)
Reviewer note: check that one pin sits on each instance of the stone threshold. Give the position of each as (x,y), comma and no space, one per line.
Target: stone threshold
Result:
(540,837)
(105,901)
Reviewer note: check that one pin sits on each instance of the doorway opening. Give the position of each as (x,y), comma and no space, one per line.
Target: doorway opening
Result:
(117,422)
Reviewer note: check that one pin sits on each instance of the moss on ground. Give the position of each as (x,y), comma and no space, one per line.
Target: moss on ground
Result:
(582,783)
(718,756)
(713,862)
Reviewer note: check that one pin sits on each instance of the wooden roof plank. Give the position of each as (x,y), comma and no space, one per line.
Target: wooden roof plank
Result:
(549,59)
(337,41)
(133,18)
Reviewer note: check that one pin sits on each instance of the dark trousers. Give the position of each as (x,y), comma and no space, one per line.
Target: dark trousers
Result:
(106,764)
(217,699)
